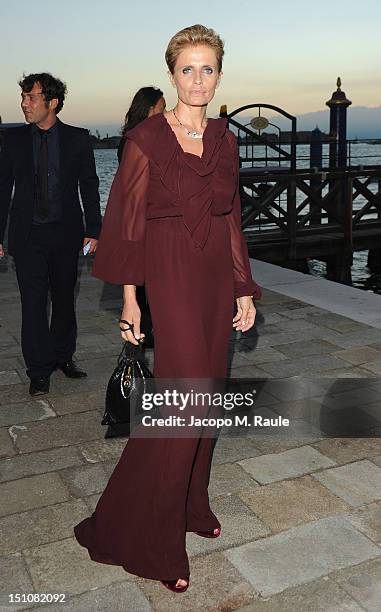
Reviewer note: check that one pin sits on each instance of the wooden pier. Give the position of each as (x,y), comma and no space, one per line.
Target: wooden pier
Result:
(288,217)
(290,214)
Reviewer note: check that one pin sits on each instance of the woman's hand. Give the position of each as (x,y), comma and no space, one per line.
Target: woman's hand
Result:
(246,311)
(131,313)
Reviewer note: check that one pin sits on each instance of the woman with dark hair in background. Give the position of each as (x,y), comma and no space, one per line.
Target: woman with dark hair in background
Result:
(146,102)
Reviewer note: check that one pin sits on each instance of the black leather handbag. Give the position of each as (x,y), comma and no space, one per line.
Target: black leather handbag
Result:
(124,391)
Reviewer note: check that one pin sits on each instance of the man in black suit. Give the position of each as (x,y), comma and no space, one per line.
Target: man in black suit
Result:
(46,161)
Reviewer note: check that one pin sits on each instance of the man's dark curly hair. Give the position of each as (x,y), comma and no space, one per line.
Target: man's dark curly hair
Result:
(50,87)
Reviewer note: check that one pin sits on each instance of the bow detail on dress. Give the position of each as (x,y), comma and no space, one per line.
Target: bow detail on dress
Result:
(185,173)
(197,207)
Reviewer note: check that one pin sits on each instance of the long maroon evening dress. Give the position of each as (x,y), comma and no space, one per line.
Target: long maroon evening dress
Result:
(173,223)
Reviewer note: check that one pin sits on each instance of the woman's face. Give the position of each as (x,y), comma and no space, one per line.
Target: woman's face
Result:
(196,75)
(158,108)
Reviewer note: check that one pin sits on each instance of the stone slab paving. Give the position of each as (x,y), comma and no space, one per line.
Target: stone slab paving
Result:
(274,440)
(6,446)
(41,525)
(25,412)
(102,450)
(228,478)
(321,595)
(77,402)
(299,509)
(231,449)
(284,390)
(377,460)
(117,597)
(54,568)
(15,578)
(9,378)
(357,483)
(302,554)
(216,584)
(290,463)
(39,462)
(33,492)
(363,583)
(52,433)
(288,503)
(238,525)
(345,450)
(85,479)
(368,520)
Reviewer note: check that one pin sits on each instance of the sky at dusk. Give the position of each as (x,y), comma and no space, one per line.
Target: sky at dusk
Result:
(284,53)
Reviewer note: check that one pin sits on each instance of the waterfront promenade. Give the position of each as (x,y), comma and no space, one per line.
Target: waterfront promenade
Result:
(300,510)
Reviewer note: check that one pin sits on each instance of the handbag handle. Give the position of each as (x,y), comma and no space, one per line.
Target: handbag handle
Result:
(130,327)
(129,349)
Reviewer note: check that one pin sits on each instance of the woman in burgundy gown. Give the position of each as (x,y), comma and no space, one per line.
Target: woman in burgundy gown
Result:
(173,223)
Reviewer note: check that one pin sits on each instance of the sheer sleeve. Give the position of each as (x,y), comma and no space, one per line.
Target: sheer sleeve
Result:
(121,248)
(243,281)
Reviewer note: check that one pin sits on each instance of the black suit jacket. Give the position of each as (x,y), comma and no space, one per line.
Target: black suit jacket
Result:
(77,169)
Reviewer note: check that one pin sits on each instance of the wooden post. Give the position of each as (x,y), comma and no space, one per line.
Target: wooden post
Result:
(374,261)
(347,220)
(316,163)
(374,255)
(291,219)
(339,266)
(347,214)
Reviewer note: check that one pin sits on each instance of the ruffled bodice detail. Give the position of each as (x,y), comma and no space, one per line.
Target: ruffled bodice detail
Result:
(188,180)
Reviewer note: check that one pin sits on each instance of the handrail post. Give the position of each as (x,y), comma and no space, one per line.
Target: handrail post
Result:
(291,218)
(316,163)
(348,214)
(344,259)
(374,255)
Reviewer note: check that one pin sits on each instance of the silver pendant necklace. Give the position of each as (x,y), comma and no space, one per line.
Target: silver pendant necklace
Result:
(192,134)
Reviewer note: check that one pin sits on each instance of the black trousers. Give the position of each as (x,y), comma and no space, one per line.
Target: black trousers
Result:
(47,264)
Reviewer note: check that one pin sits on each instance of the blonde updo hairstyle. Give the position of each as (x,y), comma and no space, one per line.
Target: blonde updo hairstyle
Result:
(193,35)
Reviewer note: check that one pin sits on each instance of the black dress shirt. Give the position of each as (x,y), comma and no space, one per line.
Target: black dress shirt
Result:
(54,187)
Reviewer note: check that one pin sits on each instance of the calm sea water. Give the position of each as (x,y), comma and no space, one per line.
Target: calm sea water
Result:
(361,153)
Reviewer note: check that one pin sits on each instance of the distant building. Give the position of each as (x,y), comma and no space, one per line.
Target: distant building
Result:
(302,137)
(110,142)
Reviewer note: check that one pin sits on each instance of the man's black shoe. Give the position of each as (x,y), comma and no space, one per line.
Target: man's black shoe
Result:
(39,385)
(70,369)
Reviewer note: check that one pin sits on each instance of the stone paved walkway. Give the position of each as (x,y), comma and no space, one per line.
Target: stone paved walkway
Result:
(300,511)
